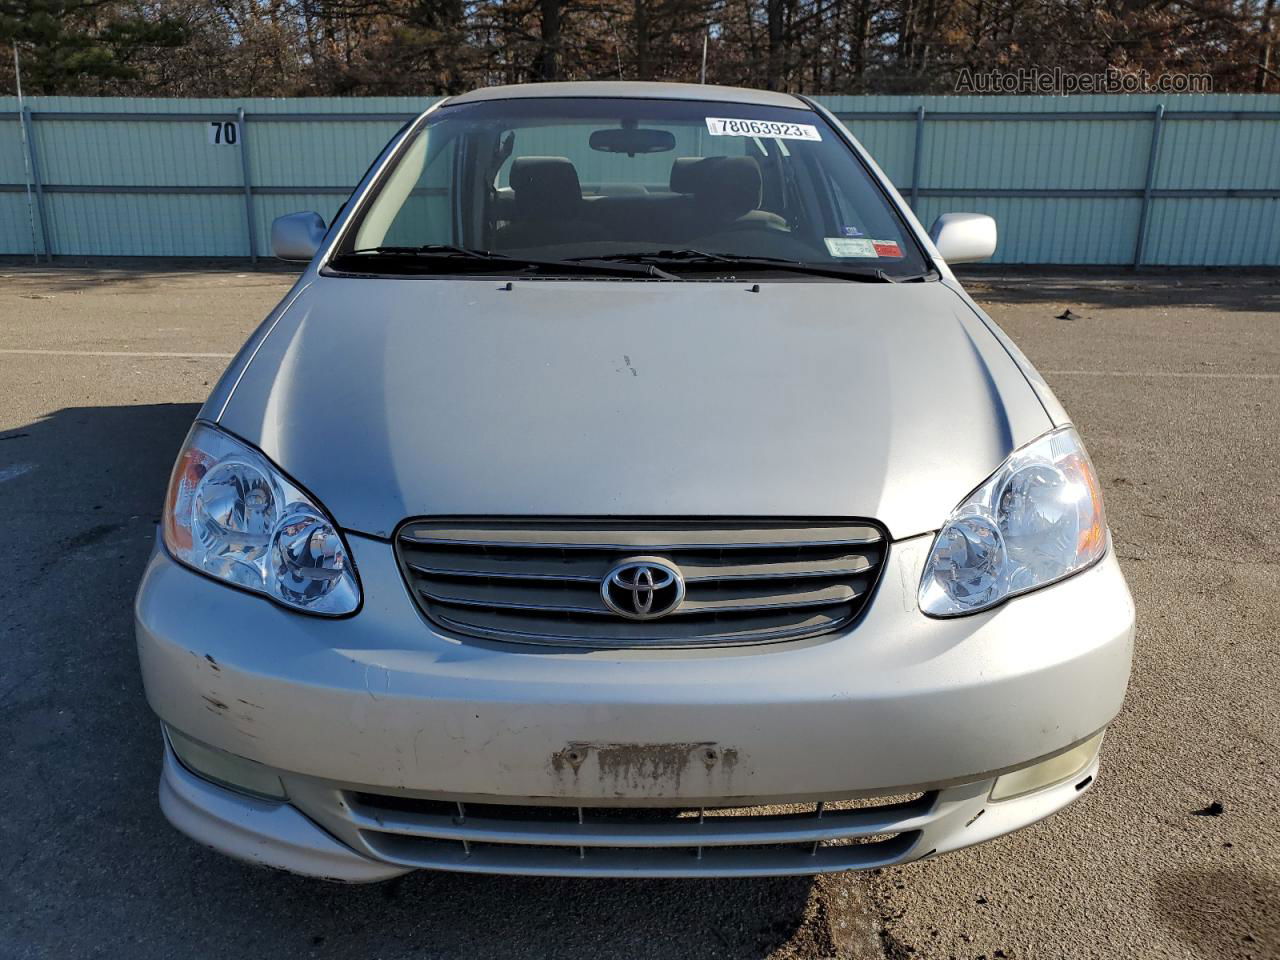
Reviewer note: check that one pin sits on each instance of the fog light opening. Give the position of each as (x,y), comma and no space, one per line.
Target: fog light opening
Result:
(1048,773)
(225,769)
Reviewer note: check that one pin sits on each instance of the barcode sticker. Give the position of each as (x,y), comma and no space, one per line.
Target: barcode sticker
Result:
(731,127)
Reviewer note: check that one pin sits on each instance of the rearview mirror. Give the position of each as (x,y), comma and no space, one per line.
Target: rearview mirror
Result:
(964,237)
(297,236)
(632,140)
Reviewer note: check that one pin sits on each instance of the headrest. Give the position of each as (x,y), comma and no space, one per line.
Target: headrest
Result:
(726,187)
(545,187)
(684,173)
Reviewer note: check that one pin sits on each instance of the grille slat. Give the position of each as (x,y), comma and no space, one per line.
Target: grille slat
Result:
(456,564)
(851,565)
(539,581)
(609,535)
(761,861)
(587,600)
(746,600)
(483,566)
(683,632)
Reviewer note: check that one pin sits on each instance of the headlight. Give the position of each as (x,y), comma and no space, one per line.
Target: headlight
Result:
(232,515)
(1036,520)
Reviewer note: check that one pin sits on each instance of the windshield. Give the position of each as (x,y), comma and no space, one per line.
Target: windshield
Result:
(670,186)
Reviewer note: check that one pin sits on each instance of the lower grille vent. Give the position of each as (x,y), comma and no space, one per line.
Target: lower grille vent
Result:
(644,841)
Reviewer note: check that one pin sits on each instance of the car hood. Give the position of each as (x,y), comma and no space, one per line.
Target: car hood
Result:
(395,398)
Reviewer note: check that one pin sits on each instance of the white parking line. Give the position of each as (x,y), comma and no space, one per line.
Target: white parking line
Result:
(15,471)
(114,353)
(1193,375)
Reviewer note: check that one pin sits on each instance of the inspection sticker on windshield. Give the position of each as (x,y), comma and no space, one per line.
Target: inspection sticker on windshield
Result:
(729,127)
(847,247)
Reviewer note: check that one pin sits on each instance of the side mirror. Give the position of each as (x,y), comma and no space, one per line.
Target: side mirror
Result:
(964,237)
(297,236)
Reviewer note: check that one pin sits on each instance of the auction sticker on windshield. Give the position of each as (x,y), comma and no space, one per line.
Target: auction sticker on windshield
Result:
(846,247)
(731,127)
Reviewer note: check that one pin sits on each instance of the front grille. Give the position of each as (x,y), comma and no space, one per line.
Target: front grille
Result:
(640,841)
(540,582)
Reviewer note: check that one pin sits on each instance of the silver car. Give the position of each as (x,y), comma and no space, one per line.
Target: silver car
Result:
(628,488)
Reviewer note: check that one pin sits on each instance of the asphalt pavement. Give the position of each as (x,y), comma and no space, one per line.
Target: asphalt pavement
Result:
(1174,382)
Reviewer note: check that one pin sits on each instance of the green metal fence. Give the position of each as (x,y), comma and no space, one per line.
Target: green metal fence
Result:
(1125,180)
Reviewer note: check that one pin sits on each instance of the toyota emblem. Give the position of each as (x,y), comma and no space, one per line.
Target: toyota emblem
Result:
(642,588)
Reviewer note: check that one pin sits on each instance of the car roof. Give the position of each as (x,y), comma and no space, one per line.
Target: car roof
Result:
(634,89)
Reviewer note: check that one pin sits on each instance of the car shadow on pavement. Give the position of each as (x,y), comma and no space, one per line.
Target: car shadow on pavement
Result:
(1253,291)
(90,867)
(129,274)
(1232,912)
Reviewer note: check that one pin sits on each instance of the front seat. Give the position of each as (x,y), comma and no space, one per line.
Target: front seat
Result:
(547,205)
(726,192)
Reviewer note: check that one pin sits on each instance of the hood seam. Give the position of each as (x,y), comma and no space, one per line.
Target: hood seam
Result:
(987,325)
(296,293)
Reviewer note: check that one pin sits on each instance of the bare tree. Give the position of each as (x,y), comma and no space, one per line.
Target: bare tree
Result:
(425,47)
(549,59)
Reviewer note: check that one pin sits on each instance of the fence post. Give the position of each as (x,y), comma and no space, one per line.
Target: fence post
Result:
(247,181)
(36,180)
(1157,125)
(916,157)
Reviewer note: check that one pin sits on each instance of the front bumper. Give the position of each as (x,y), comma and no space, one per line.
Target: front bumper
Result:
(380,703)
(325,832)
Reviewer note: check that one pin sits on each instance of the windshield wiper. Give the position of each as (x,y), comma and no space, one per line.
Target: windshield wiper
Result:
(448,252)
(430,250)
(701,258)
(682,255)
(916,277)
